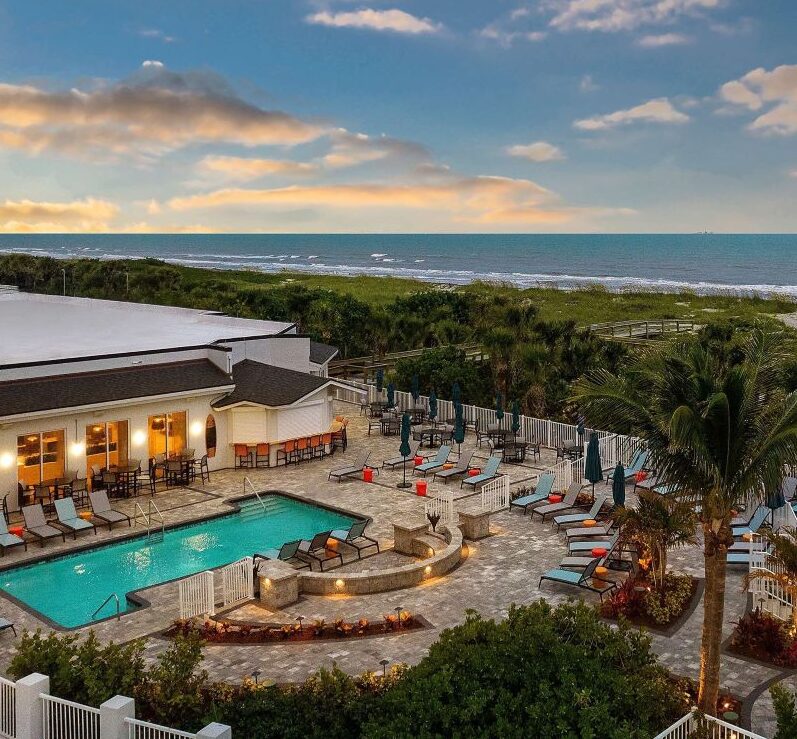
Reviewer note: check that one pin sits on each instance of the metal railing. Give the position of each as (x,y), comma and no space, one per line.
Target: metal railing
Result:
(714,729)
(113,596)
(63,719)
(145,730)
(147,516)
(8,708)
(248,482)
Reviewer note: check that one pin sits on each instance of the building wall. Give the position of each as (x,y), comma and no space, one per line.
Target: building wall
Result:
(279,351)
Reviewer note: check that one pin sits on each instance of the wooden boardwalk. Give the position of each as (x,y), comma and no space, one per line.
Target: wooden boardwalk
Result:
(639,332)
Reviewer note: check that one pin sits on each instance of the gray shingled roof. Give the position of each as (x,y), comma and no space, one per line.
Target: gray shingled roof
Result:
(265,384)
(321,353)
(90,388)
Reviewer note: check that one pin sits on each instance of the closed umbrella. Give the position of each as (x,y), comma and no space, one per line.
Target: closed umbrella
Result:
(580,430)
(618,485)
(380,380)
(391,395)
(499,408)
(593,470)
(404,449)
(415,389)
(515,417)
(432,405)
(459,427)
(456,394)
(776,499)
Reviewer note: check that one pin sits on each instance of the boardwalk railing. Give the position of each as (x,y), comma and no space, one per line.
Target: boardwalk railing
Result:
(196,595)
(238,583)
(712,728)
(495,494)
(63,719)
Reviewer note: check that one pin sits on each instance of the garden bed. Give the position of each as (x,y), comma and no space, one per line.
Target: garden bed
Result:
(224,631)
(762,637)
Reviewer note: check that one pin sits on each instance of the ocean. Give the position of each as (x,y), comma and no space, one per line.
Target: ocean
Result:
(743,264)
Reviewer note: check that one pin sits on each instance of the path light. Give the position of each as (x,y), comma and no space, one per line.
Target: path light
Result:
(340,584)
(384,663)
(256,674)
(427,570)
(398,610)
(300,619)
(267,582)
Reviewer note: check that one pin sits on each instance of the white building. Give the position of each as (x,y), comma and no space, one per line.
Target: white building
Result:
(88,382)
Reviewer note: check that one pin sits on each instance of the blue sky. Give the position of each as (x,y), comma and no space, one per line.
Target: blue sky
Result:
(324,116)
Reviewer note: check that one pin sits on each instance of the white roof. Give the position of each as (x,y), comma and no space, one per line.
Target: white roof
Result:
(37,328)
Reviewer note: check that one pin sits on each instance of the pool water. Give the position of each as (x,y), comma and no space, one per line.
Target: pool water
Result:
(69,588)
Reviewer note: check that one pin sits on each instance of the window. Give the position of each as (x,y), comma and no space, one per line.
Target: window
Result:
(167,433)
(210,436)
(40,457)
(106,445)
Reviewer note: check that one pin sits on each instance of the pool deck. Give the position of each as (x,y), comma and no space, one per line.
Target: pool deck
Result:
(498,571)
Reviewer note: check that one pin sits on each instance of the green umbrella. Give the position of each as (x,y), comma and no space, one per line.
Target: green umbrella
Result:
(580,429)
(455,394)
(415,390)
(432,405)
(499,408)
(776,499)
(618,485)
(404,449)
(391,395)
(380,380)
(593,470)
(459,426)
(515,417)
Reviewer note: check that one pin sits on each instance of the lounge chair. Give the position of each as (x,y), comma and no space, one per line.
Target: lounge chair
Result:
(574,518)
(317,550)
(541,492)
(415,451)
(355,537)
(6,624)
(101,509)
(585,579)
(599,531)
(638,462)
(69,519)
(489,472)
(571,496)
(36,525)
(460,468)
(288,552)
(9,540)
(355,468)
(587,545)
(437,463)
(754,524)
(665,489)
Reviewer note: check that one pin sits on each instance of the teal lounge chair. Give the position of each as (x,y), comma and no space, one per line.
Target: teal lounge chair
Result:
(68,518)
(587,545)
(355,537)
(288,552)
(574,518)
(489,472)
(7,539)
(585,579)
(754,524)
(541,492)
(638,461)
(437,463)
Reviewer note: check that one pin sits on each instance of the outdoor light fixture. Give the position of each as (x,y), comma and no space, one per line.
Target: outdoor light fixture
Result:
(139,437)
(339,584)
(197,427)
(6,460)
(427,570)
(77,448)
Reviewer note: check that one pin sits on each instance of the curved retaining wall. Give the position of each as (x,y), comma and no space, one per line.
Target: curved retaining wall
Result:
(394,578)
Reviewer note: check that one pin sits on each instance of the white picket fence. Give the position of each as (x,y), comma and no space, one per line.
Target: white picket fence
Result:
(495,495)
(717,729)
(196,595)
(441,503)
(238,582)
(767,592)
(145,730)
(63,719)
(8,708)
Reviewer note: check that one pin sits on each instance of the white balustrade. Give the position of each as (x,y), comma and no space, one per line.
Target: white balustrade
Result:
(63,719)
(196,595)
(238,582)
(714,729)
(441,503)
(495,494)
(146,730)
(8,708)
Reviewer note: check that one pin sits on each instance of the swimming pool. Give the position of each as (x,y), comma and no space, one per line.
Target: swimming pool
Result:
(69,588)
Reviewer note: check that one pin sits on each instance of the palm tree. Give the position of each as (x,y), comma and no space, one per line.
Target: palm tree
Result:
(719,430)
(659,523)
(783,561)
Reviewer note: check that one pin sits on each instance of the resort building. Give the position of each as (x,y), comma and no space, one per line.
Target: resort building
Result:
(98,384)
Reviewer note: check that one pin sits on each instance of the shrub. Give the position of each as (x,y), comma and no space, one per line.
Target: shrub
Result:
(762,636)
(677,593)
(785,712)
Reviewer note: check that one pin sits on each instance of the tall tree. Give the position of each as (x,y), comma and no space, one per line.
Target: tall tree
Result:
(721,431)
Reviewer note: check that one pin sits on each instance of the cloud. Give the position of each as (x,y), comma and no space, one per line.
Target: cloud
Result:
(587,84)
(156,33)
(655,41)
(152,63)
(659,110)
(152,113)
(243,169)
(350,149)
(539,151)
(772,92)
(30,216)
(622,15)
(517,25)
(393,20)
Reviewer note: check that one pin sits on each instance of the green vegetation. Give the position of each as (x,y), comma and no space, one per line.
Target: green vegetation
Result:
(785,712)
(561,671)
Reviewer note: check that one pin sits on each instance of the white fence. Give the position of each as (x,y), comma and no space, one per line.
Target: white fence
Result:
(767,592)
(8,709)
(441,504)
(145,730)
(196,595)
(716,729)
(495,494)
(63,719)
(238,582)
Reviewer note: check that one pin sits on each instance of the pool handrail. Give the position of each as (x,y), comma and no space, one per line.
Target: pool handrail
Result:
(147,516)
(116,598)
(257,495)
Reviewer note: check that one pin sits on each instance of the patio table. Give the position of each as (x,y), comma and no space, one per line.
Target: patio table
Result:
(443,433)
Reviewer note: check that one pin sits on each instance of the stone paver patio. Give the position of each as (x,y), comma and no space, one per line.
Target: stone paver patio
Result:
(498,571)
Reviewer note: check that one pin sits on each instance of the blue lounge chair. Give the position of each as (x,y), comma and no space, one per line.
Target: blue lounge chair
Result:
(355,537)
(68,518)
(638,461)
(574,518)
(585,579)
(489,472)
(288,552)
(437,463)
(756,522)
(587,545)
(541,492)
(7,539)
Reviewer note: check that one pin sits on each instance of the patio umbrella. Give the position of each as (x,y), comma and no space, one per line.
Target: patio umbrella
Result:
(618,485)
(580,429)
(404,449)
(455,394)
(415,390)
(515,417)
(499,408)
(380,380)
(432,405)
(776,499)
(459,427)
(593,470)
(391,395)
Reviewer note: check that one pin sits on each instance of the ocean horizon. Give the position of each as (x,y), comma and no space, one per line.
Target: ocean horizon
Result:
(736,264)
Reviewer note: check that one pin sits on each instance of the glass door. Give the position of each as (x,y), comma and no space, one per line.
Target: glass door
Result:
(106,445)
(40,457)
(167,433)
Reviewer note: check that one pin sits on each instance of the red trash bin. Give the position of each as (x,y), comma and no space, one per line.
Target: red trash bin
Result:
(420,487)
(418,460)
(368,474)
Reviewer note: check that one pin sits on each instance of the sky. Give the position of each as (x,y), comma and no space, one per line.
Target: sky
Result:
(563,116)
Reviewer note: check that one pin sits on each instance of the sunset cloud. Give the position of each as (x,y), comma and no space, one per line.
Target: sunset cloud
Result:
(350,149)
(394,20)
(659,110)
(30,216)
(774,93)
(244,169)
(539,151)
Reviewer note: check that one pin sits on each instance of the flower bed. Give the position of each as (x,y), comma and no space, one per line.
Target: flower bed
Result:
(763,637)
(639,602)
(233,632)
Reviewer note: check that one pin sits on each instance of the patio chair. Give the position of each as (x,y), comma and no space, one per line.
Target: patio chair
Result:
(242,456)
(585,580)
(355,537)
(587,545)
(101,509)
(317,549)
(437,463)
(262,455)
(569,501)
(288,552)
(36,524)
(204,469)
(415,451)
(489,472)
(574,518)
(9,540)
(287,451)
(541,492)
(590,532)
(758,519)
(460,468)
(68,518)
(638,461)
(355,468)
(6,624)
(79,489)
